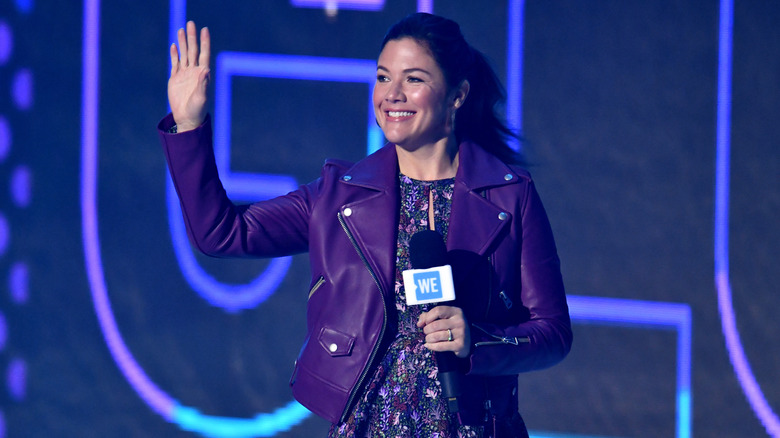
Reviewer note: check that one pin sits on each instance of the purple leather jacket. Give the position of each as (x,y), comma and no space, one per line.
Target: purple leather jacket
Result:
(505,265)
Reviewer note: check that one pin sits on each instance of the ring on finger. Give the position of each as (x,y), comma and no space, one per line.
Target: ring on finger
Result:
(449,335)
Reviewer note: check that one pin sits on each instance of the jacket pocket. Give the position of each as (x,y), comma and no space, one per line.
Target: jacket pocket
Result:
(335,342)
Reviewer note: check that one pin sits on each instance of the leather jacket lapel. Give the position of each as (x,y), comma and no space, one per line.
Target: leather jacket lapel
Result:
(372,217)
(476,223)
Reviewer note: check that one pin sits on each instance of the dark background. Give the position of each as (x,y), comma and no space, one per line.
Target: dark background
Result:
(619,104)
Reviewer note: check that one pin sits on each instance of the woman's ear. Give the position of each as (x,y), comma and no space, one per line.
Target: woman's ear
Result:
(460,93)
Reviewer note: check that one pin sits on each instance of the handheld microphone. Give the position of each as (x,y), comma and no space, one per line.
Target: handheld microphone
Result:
(430,281)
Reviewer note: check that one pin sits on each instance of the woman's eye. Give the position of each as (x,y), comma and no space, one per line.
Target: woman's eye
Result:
(414,79)
(381,78)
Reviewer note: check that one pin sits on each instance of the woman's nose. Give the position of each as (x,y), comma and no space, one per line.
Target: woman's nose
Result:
(395,93)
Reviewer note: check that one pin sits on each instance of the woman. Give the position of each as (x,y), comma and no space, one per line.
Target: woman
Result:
(367,364)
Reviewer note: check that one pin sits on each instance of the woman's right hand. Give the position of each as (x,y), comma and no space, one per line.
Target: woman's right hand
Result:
(189,78)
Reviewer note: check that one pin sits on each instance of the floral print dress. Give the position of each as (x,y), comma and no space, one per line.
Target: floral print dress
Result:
(403,399)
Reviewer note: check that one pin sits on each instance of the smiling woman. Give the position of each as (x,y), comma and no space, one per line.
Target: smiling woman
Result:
(415,108)
(370,362)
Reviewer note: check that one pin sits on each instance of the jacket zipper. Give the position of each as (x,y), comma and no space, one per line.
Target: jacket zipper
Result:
(317,285)
(507,301)
(490,272)
(371,358)
(490,286)
(501,340)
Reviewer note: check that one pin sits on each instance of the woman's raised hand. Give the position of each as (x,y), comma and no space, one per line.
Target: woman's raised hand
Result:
(189,78)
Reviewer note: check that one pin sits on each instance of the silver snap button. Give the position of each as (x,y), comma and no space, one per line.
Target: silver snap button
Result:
(347,211)
(333,348)
(508,177)
(503,216)
(347,177)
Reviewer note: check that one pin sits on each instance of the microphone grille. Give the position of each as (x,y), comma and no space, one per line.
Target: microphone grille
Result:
(427,250)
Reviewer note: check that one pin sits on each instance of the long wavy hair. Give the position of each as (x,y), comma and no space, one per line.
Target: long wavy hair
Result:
(478,119)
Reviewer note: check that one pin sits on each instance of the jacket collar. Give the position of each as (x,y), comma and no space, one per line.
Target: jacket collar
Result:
(475,222)
(477,170)
(378,171)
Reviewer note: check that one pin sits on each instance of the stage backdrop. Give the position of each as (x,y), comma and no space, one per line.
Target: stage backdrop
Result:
(650,128)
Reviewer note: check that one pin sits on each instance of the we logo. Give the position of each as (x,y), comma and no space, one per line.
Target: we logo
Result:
(431,285)
(428,285)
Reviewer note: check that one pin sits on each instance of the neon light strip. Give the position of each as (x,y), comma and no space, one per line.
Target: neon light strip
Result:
(534,434)
(641,314)
(723,132)
(514,68)
(737,355)
(159,401)
(262,425)
(177,19)
(149,392)
(425,6)
(230,297)
(357,5)
(265,65)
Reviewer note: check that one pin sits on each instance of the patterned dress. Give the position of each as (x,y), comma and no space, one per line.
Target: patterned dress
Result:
(403,399)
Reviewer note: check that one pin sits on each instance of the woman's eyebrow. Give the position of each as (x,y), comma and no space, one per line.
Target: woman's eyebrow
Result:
(408,70)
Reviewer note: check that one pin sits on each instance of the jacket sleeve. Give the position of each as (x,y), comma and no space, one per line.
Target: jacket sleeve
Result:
(544,335)
(214,224)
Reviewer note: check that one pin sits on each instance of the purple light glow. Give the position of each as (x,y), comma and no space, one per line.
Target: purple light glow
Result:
(6,42)
(16,378)
(21,182)
(18,283)
(4,234)
(3,332)
(334,5)
(22,89)
(5,138)
(425,6)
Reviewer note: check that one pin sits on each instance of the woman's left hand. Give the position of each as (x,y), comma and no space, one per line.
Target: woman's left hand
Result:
(446,329)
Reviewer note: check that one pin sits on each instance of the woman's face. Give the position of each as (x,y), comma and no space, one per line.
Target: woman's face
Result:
(411,101)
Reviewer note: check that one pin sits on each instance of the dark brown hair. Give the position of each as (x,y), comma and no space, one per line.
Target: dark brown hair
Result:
(478,119)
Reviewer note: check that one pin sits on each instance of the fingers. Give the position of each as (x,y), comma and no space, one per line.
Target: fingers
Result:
(446,329)
(188,46)
(439,313)
(205,47)
(187,53)
(192,44)
(174,59)
(460,343)
(182,47)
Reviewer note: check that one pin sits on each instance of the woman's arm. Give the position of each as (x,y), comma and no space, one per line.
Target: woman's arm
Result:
(544,336)
(215,225)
